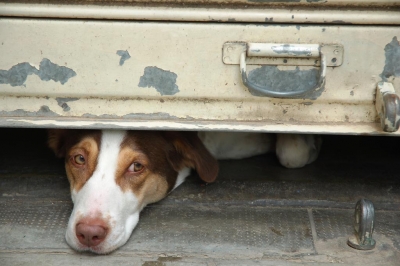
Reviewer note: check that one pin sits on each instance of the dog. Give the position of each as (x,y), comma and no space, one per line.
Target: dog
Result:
(114,174)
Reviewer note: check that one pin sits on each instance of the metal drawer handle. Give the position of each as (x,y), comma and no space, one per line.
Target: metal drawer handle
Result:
(387,104)
(282,50)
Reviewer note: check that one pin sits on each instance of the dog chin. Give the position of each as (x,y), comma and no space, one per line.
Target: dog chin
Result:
(115,240)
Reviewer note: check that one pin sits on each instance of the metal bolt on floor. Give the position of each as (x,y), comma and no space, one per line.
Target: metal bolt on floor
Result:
(364,222)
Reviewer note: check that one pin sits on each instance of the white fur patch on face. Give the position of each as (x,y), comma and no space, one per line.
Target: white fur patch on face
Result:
(101,198)
(185,172)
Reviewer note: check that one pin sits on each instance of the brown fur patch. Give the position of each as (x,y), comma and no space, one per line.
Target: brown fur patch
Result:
(78,175)
(190,151)
(158,176)
(67,143)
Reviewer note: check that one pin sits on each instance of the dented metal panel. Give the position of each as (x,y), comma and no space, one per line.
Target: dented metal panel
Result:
(172,75)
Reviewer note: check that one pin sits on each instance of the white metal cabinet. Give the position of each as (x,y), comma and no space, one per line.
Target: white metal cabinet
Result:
(173,74)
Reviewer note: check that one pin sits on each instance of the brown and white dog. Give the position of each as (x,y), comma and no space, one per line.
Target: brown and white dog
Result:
(114,174)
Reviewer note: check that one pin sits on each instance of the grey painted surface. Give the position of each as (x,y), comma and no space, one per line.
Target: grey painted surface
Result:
(17,74)
(44,111)
(62,102)
(163,81)
(50,71)
(124,56)
(392,61)
(274,79)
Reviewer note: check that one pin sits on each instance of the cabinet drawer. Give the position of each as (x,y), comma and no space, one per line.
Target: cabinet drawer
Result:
(173,75)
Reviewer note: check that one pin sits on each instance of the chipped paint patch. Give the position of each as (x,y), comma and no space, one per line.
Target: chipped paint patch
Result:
(274,79)
(44,111)
(62,102)
(124,56)
(50,71)
(17,74)
(163,81)
(392,61)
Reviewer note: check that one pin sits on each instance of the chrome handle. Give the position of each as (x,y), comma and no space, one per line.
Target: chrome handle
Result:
(282,50)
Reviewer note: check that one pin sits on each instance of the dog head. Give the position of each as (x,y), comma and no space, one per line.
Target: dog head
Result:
(115,174)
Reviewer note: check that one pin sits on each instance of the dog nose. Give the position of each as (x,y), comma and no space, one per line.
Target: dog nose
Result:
(91,233)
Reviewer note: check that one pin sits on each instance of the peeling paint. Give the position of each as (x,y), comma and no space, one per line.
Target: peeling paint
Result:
(163,81)
(392,61)
(274,79)
(62,102)
(124,56)
(50,71)
(44,111)
(17,74)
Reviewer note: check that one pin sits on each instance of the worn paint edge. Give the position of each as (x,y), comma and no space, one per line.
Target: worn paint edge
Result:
(334,16)
(328,128)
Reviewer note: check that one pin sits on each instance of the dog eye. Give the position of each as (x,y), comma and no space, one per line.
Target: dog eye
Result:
(135,167)
(79,159)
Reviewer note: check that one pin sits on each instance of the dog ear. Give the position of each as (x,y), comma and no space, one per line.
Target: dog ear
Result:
(56,141)
(189,151)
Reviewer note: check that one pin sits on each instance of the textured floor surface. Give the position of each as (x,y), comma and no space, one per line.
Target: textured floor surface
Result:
(257,213)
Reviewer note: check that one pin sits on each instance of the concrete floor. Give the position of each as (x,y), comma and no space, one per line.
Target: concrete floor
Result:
(257,213)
